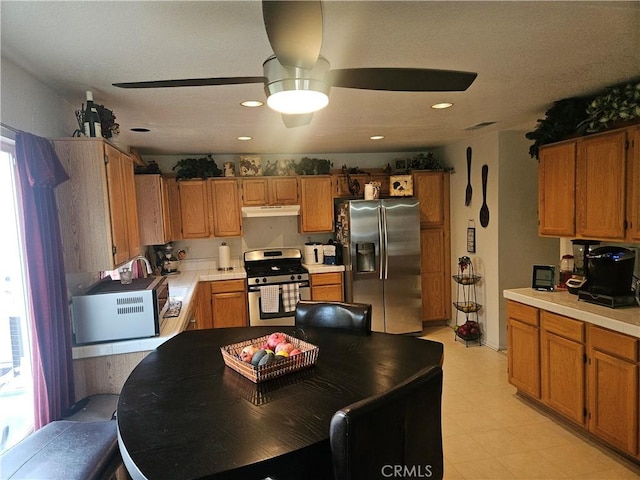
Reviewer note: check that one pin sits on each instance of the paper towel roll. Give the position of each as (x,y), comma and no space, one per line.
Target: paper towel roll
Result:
(224,257)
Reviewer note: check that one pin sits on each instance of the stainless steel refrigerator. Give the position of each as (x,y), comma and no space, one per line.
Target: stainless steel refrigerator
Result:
(381,254)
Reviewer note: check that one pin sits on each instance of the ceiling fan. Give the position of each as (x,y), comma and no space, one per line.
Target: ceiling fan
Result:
(297,79)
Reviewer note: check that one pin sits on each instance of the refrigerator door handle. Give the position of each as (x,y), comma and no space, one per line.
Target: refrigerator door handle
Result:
(381,246)
(386,242)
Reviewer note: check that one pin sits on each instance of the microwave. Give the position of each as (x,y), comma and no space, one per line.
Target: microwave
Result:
(110,311)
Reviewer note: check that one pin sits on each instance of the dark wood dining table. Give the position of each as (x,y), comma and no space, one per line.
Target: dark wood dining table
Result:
(184,414)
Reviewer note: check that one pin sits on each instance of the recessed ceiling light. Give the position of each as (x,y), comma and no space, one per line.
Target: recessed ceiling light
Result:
(376,137)
(252,103)
(244,138)
(442,105)
(140,129)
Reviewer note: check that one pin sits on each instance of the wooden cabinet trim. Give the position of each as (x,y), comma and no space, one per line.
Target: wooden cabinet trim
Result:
(227,286)
(614,343)
(325,278)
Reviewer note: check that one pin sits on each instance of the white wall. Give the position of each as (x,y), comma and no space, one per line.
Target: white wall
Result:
(508,247)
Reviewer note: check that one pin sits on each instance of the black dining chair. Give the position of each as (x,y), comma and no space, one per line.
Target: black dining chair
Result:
(396,434)
(352,316)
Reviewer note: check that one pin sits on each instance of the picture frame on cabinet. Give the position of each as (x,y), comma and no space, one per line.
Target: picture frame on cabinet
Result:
(401,185)
(250,166)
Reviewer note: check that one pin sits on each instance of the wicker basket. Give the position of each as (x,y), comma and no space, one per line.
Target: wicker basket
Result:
(307,358)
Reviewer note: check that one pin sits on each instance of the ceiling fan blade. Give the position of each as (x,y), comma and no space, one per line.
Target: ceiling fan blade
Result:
(297,120)
(401,79)
(191,82)
(294,29)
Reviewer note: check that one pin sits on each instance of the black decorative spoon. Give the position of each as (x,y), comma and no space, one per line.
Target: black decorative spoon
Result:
(467,196)
(484,210)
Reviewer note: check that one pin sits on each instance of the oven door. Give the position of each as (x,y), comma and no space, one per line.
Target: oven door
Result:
(257,318)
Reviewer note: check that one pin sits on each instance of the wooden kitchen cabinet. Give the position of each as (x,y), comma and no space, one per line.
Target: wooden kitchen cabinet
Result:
(523,354)
(224,209)
(96,206)
(152,192)
(327,286)
(202,317)
(432,190)
(557,190)
(270,191)
(316,204)
(613,395)
(229,303)
(175,217)
(601,186)
(194,209)
(562,365)
(341,186)
(383,180)
(633,186)
(434,274)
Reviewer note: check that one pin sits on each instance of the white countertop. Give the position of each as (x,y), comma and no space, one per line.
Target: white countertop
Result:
(623,320)
(182,286)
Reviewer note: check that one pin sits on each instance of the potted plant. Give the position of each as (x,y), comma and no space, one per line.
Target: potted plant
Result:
(203,167)
(617,104)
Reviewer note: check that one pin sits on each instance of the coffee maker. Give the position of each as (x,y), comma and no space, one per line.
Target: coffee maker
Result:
(166,259)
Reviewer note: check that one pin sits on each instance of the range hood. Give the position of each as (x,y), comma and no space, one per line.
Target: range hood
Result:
(271,211)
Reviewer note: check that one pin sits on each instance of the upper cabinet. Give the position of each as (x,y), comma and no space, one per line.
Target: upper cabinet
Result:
(225,215)
(152,192)
(270,191)
(557,190)
(194,209)
(341,186)
(601,186)
(316,204)
(588,187)
(96,206)
(430,188)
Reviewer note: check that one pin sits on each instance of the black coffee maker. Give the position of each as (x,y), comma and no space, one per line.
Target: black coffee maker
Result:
(610,277)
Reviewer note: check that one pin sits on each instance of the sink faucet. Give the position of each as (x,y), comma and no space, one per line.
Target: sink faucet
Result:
(129,265)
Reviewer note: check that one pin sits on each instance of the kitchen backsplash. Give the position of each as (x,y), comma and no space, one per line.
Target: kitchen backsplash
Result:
(268,232)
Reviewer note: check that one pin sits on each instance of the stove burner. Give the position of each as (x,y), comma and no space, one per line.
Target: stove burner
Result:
(271,266)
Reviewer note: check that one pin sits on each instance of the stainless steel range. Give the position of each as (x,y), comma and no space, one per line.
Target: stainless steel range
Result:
(276,280)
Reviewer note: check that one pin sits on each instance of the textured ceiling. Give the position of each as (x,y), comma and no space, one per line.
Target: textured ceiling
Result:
(526,54)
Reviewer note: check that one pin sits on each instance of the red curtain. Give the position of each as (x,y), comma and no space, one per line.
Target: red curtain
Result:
(39,172)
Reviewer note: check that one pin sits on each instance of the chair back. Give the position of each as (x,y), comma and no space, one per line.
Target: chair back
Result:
(396,434)
(352,316)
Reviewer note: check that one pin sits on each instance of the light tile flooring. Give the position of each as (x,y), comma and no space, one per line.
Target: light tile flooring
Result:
(491,433)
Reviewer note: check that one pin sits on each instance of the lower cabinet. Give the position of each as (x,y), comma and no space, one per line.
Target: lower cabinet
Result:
(202,315)
(229,304)
(327,286)
(587,374)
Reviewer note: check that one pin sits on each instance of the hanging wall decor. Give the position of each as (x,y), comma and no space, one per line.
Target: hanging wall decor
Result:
(471,237)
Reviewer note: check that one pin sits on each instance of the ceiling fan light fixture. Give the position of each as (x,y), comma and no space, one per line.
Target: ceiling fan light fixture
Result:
(298,101)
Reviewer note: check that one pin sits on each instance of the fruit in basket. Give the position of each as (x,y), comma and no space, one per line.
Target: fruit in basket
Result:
(284,347)
(257,357)
(247,353)
(295,351)
(275,338)
(267,359)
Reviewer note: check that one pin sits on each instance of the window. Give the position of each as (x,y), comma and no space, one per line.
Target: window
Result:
(16,385)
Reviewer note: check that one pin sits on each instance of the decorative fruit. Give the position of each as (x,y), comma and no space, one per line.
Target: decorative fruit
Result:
(282,353)
(247,353)
(295,351)
(266,359)
(275,338)
(284,347)
(257,357)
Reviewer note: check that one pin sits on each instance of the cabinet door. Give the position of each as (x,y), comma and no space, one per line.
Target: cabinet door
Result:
(117,202)
(225,205)
(203,316)
(435,284)
(316,204)
(613,400)
(194,209)
(255,191)
(563,375)
(283,191)
(131,206)
(229,303)
(557,190)
(341,186)
(432,191)
(175,215)
(523,356)
(327,287)
(152,207)
(601,187)
(633,197)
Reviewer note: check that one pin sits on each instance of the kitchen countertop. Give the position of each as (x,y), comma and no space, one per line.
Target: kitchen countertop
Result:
(182,286)
(623,320)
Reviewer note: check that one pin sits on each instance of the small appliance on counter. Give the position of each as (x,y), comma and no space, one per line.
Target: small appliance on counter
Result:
(580,265)
(313,253)
(168,261)
(610,277)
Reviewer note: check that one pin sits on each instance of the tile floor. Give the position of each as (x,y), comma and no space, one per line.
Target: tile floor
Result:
(491,433)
